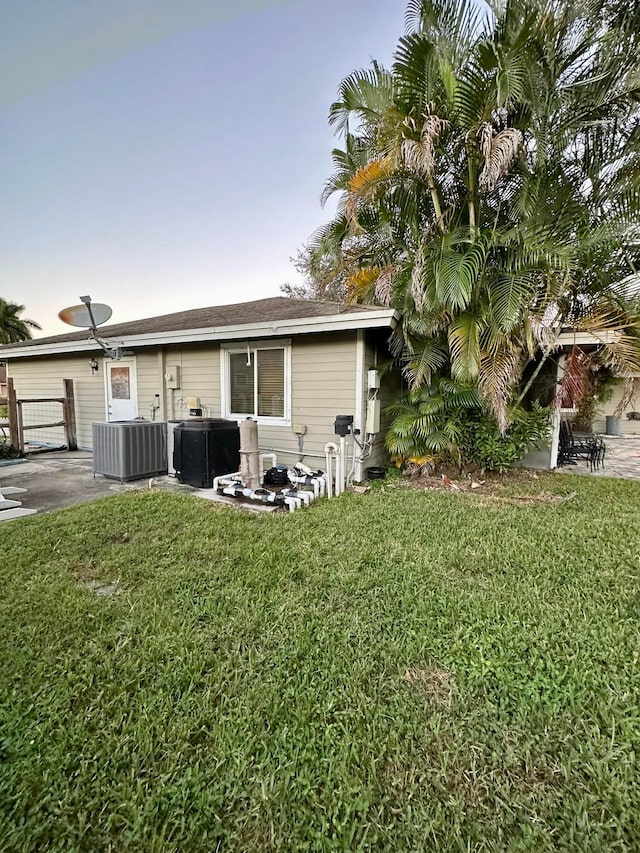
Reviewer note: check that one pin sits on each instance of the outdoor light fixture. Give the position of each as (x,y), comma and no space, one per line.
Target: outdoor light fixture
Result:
(93,364)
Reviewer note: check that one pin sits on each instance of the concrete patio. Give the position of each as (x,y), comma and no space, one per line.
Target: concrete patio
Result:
(62,479)
(622,459)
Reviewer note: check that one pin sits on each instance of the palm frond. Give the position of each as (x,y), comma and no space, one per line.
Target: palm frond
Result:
(498,374)
(427,359)
(499,152)
(456,273)
(576,380)
(360,283)
(464,345)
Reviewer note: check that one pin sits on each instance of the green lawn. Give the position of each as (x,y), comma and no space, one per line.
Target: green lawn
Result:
(400,671)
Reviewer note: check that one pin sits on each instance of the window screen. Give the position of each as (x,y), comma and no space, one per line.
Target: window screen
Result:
(257,388)
(242,383)
(271,383)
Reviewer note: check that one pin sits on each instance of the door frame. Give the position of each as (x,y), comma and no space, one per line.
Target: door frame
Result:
(130,362)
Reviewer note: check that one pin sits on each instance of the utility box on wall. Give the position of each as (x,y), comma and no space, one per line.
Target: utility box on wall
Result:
(373,417)
(172,377)
(373,379)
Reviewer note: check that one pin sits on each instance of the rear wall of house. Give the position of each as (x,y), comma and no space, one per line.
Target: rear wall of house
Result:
(323,384)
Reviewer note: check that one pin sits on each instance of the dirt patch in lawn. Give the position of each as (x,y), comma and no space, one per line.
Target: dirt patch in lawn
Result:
(434,682)
(492,488)
(452,480)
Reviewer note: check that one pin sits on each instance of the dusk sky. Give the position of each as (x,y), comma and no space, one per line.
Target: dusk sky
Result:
(162,155)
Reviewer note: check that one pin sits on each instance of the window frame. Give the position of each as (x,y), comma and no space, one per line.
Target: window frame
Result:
(235,347)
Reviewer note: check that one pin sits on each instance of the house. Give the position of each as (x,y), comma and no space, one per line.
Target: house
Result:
(604,416)
(628,423)
(292,364)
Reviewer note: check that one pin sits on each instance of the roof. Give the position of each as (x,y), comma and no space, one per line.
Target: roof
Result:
(260,318)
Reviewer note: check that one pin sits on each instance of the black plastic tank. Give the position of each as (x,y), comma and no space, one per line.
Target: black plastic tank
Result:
(205,448)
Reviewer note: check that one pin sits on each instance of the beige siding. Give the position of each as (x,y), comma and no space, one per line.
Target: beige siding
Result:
(149,382)
(42,377)
(323,384)
(628,427)
(200,377)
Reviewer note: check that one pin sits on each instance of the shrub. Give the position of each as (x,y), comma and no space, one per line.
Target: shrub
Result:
(446,423)
(483,445)
(8,451)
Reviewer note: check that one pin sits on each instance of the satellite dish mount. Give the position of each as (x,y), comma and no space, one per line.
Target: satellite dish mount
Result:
(89,316)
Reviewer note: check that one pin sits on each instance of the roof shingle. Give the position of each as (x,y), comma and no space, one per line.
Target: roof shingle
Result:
(218,316)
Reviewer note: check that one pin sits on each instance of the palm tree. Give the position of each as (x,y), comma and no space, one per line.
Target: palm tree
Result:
(13,328)
(490,191)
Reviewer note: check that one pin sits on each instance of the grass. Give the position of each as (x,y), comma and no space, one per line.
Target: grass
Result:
(400,671)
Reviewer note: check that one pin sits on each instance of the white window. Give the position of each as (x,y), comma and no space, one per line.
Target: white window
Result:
(256,382)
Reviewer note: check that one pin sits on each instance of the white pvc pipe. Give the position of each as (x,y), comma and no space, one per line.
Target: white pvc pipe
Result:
(305,497)
(294,501)
(271,456)
(262,497)
(342,463)
(304,468)
(354,462)
(225,479)
(230,490)
(306,480)
(236,490)
(331,451)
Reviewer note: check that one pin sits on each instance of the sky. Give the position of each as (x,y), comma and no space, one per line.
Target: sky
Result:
(161,155)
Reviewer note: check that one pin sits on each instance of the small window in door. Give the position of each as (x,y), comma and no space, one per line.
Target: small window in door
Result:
(120,385)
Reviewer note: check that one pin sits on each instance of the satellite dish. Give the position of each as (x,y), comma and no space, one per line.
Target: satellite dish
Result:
(86,316)
(89,316)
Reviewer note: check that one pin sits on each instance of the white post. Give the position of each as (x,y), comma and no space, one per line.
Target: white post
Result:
(343,462)
(555,437)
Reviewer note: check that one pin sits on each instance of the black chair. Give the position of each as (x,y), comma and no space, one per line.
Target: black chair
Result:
(574,446)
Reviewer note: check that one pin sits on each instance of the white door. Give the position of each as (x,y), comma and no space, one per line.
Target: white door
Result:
(122,389)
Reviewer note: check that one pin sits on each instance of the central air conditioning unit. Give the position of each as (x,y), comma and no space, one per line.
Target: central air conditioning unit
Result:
(129,450)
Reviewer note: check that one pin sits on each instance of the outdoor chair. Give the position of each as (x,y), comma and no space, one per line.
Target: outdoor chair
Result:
(574,446)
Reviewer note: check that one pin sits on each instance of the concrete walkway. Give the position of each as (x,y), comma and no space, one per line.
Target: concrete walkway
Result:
(63,479)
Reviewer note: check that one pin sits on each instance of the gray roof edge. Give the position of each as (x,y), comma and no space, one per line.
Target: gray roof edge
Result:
(143,333)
